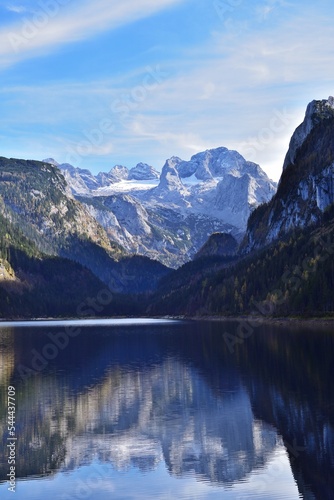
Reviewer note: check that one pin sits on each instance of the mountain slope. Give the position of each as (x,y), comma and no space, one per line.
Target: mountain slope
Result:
(35,197)
(219,244)
(33,284)
(306,187)
(288,277)
(138,230)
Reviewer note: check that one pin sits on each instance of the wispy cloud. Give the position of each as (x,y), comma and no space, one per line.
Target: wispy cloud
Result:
(233,96)
(225,92)
(18,9)
(49,28)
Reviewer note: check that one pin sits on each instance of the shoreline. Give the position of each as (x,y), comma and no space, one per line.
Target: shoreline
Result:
(78,322)
(285,320)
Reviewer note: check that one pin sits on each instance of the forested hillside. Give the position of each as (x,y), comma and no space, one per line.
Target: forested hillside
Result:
(33,284)
(35,199)
(292,276)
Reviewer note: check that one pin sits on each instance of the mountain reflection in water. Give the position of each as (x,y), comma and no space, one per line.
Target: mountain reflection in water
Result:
(141,396)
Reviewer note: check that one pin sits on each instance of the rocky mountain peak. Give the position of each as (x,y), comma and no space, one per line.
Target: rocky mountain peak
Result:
(316,111)
(142,172)
(218,162)
(219,244)
(52,161)
(306,187)
(119,172)
(169,178)
(173,161)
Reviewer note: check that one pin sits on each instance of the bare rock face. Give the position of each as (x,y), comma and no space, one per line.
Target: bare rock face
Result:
(316,111)
(143,172)
(306,187)
(170,179)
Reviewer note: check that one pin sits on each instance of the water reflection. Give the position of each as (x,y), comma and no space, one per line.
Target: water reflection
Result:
(174,395)
(139,418)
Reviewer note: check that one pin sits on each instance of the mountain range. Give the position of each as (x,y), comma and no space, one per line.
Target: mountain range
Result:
(238,243)
(169,216)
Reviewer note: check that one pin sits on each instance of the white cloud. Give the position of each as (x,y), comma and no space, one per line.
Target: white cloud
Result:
(48,28)
(18,9)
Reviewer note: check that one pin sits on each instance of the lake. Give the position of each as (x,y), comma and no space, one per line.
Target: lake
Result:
(148,409)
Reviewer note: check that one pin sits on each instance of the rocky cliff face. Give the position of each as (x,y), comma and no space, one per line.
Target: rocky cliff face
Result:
(36,197)
(306,187)
(316,111)
(142,172)
(215,190)
(159,232)
(170,188)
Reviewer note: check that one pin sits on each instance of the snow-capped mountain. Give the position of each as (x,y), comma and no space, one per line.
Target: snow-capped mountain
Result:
(80,180)
(142,172)
(83,182)
(169,217)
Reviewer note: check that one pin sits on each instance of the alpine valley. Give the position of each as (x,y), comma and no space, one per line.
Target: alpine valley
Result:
(209,236)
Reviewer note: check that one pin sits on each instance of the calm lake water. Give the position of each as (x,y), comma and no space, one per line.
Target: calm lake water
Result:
(168,410)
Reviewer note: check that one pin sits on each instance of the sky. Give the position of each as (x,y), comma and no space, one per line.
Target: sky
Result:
(97,83)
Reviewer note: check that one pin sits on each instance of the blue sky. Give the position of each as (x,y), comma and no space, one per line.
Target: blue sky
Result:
(104,82)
